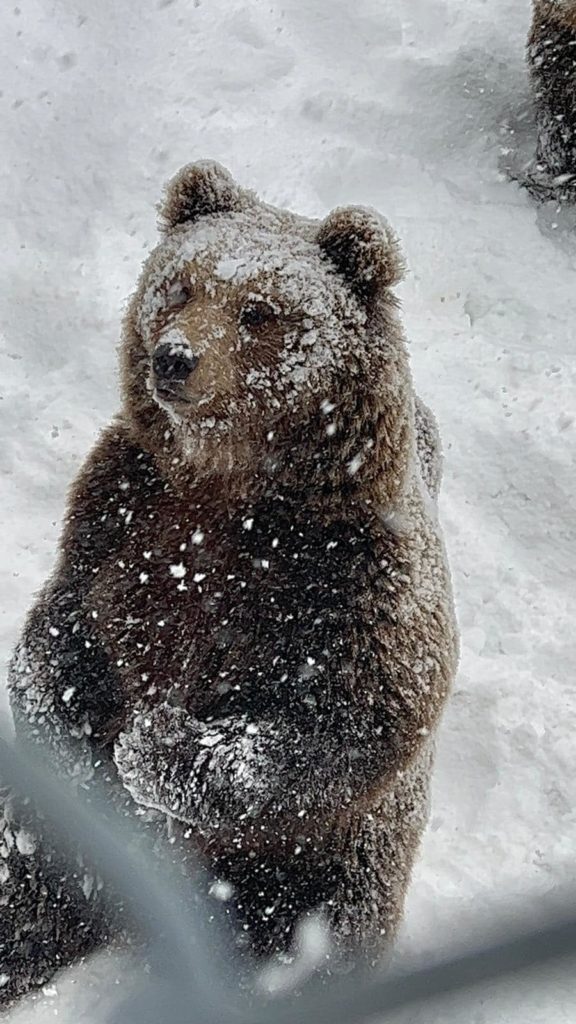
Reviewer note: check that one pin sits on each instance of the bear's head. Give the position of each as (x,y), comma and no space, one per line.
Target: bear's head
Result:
(261,345)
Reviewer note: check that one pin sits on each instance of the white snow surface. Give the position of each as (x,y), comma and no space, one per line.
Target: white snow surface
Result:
(410,107)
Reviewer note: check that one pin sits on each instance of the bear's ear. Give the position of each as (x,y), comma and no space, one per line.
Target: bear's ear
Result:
(196,190)
(363,248)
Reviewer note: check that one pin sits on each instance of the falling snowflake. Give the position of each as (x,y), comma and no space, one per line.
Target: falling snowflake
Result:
(178,571)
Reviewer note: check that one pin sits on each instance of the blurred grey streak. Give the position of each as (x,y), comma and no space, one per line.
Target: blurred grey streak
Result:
(197,981)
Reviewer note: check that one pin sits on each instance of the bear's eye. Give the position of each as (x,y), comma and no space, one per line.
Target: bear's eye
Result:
(178,294)
(257,314)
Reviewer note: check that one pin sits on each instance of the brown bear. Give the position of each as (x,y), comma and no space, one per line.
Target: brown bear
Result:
(552,66)
(250,626)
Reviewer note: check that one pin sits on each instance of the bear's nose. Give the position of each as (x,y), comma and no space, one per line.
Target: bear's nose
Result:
(173,363)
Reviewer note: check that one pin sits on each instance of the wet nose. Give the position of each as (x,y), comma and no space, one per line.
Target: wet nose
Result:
(173,364)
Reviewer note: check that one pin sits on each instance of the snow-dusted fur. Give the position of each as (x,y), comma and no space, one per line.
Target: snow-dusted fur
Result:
(552,64)
(50,911)
(251,621)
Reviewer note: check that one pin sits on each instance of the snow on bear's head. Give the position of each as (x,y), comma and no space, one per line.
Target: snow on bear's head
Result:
(250,323)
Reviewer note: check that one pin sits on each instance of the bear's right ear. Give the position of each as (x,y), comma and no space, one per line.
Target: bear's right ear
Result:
(196,190)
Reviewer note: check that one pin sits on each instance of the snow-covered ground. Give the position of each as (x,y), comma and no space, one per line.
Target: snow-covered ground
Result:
(413,107)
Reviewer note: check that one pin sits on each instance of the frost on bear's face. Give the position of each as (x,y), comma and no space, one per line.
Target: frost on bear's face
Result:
(248,320)
(242,325)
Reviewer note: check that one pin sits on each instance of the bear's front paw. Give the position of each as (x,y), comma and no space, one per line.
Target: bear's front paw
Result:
(206,774)
(154,756)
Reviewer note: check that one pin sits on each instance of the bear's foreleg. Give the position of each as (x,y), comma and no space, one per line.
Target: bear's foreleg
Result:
(64,691)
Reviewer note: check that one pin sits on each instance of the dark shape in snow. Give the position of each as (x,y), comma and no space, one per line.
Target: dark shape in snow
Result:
(552,65)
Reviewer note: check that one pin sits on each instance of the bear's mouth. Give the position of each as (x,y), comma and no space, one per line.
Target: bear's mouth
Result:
(171,394)
(181,407)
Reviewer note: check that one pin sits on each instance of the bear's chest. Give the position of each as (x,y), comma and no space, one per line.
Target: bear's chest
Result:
(242,603)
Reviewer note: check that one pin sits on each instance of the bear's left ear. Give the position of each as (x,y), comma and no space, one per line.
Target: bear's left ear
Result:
(363,248)
(196,190)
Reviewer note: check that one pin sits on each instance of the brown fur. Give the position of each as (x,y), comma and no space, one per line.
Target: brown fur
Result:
(552,66)
(557,12)
(254,624)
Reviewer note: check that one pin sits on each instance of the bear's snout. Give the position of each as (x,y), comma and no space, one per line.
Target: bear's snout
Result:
(173,364)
